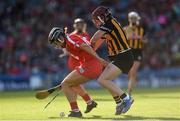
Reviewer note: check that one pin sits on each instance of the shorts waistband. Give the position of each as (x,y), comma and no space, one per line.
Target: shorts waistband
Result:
(124,51)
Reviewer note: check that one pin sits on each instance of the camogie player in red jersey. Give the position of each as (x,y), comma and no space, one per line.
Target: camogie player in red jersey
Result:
(80,31)
(90,64)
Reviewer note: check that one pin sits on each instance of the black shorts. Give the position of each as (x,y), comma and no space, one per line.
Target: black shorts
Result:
(123,61)
(137,53)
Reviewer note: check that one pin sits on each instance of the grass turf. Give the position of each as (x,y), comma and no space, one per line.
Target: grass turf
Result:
(159,104)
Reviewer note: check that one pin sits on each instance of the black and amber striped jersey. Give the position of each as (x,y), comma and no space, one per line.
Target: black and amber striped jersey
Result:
(135,36)
(115,37)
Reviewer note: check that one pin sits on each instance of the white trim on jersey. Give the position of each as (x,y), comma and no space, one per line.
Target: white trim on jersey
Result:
(76,44)
(85,40)
(72,42)
(76,57)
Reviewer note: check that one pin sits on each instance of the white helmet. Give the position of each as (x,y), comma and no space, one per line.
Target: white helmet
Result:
(134,14)
(134,17)
(78,20)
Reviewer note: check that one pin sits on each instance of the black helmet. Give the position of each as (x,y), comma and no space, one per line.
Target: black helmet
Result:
(55,33)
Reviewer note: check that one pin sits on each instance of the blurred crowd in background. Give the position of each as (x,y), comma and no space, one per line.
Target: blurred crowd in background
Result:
(24,27)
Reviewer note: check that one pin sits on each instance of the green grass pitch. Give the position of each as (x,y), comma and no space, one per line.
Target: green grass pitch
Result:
(153,104)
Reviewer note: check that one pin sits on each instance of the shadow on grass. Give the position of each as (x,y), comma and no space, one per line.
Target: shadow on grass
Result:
(100,99)
(161,97)
(124,117)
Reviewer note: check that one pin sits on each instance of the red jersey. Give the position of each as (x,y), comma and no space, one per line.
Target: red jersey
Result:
(85,36)
(85,64)
(72,45)
(73,62)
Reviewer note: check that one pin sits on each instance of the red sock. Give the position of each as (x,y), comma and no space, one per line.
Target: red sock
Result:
(74,106)
(87,98)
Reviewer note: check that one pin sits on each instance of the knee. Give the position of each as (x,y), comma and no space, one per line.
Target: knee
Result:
(101,81)
(64,84)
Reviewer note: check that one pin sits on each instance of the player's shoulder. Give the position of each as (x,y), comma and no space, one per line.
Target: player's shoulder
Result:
(72,33)
(115,22)
(110,25)
(107,27)
(86,34)
(75,38)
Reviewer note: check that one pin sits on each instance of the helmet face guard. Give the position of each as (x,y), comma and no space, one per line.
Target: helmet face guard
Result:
(54,34)
(97,22)
(57,37)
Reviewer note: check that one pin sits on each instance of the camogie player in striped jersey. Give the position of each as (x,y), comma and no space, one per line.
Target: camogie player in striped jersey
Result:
(135,36)
(119,52)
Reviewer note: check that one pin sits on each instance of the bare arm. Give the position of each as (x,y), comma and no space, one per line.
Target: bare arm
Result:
(89,50)
(96,40)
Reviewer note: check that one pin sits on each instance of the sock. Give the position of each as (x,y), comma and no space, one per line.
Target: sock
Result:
(87,98)
(117,99)
(123,96)
(74,106)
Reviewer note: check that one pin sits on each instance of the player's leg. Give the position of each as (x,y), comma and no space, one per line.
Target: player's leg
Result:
(132,76)
(72,64)
(122,100)
(111,72)
(106,77)
(73,79)
(83,93)
(86,97)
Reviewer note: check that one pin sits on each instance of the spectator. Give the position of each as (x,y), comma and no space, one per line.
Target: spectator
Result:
(25,24)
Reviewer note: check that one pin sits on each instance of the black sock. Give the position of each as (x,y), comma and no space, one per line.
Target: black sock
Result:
(117,99)
(123,96)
